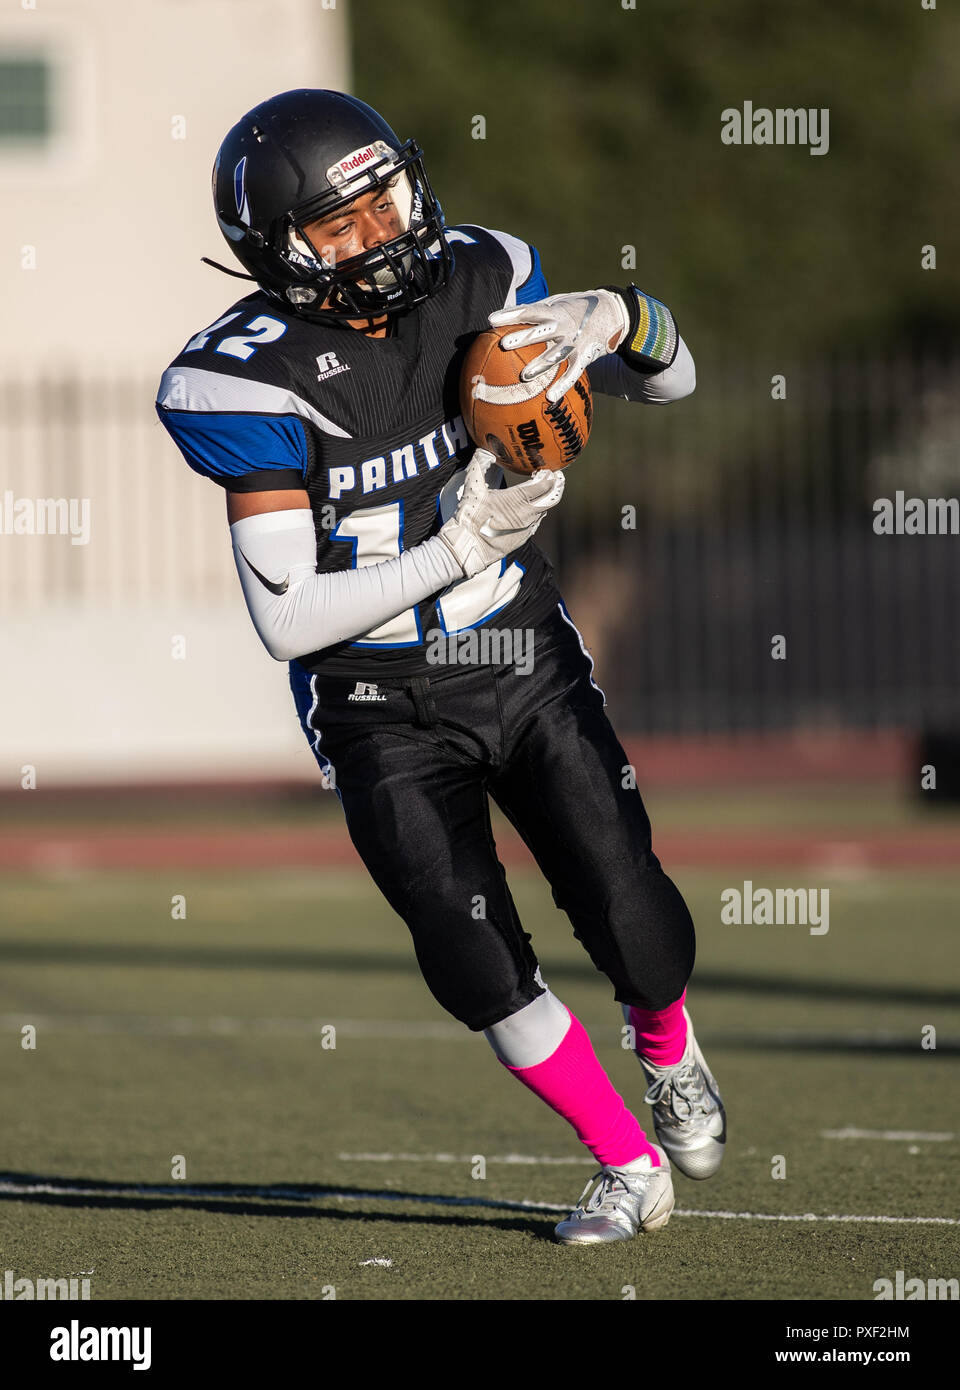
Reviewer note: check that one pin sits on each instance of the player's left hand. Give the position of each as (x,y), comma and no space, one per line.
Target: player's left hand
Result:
(578,327)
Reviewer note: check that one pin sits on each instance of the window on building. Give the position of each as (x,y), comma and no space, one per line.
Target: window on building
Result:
(26,100)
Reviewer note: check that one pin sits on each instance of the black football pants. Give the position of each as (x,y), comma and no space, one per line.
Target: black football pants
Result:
(414,772)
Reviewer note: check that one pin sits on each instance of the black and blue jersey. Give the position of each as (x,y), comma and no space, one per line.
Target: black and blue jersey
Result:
(371,429)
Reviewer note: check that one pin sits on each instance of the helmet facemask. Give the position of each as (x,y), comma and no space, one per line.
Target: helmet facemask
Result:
(392,277)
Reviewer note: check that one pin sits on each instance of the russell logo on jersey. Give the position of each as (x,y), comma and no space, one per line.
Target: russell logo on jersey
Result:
(329,364)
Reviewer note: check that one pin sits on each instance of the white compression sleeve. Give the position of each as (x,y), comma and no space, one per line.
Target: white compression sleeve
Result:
(531,1035)
(296,611)
(611,376)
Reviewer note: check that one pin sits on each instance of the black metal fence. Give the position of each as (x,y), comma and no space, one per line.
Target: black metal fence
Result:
(691,538)
(749,587)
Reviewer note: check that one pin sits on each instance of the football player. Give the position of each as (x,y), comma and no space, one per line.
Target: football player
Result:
(325,403)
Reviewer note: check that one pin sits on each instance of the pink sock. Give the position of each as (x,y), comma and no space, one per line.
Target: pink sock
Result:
(660,1034)
(575,1085)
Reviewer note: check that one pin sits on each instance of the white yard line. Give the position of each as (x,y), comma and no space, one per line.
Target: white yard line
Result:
(812,1216)
(896,1135)
(280,1193)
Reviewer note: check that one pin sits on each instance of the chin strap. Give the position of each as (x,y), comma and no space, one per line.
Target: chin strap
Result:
(239,274)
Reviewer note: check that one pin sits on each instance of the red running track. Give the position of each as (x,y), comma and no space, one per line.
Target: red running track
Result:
(328,846)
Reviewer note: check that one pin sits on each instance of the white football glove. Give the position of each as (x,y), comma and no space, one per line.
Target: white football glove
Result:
(491,522)
(580,327)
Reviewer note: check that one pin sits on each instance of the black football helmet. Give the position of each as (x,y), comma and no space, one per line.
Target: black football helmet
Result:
(299,157)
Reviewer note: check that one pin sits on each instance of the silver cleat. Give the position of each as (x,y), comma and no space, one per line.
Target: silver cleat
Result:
(688,1114)
(623,1204)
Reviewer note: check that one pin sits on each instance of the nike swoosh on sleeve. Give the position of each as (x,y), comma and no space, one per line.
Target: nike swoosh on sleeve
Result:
(268,583)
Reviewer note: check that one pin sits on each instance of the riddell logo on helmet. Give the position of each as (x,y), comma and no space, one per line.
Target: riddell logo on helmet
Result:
(356,159)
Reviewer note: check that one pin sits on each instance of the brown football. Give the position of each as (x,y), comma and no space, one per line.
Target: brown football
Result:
(514,419)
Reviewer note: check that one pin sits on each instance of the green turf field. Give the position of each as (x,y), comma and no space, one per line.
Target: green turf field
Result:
(204,1038)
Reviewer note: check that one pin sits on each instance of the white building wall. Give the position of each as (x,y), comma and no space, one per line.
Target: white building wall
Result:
(119,209)
(101,240)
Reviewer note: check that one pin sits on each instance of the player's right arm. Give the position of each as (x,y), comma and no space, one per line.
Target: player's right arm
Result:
(248,436)
(295,610)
